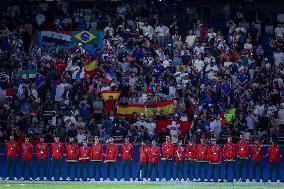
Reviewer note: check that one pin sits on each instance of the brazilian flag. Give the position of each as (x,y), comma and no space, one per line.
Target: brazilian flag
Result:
(86,37)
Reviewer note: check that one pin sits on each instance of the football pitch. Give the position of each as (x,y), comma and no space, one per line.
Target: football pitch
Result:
(133,186)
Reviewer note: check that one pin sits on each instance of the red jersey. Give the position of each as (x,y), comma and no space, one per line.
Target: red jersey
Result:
(72,152)
(41,151)
(179,154)
(85,152)
(97,152)
(12,149)
(190,152)
(274,154)
(168,150)
(27,151)
(229,151)
(143,154)
(214,154)
(201,152)
(243,149)
(126,151)
(154,153)
(257,152)
(111,152)
(56,150)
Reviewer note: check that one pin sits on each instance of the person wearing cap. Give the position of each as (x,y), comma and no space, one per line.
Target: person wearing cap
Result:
(201,158)
(274,156)
(257,157)
(84,158)
(153,154)
(214,159)
(142,165)
(97,154)
(243,156)
(229,151)
(168,152)
(72,152)
(179,157)
(126,154)
(41,154)
(56,158)
(111,156)
(27,154)
(12,148)
(190,155)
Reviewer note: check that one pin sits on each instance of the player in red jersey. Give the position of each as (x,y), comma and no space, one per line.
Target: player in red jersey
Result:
(97,154)
(142,165)
(72,153)
(190,155)
(168,153)
(41,154)
(243,155)
(257,157)
(229,158)
(27,154)
(179,157)
(201,158)
(111,156)
(214,159)
(56,158)
(84,158)
(126,154)
(274,156)
(153,155)
(12,154)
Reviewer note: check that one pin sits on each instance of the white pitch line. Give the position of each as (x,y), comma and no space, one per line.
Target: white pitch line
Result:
(147,182)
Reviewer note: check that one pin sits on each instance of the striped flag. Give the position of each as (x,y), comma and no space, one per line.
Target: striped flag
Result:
(106,94)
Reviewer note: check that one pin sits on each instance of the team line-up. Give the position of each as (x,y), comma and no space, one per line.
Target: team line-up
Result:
(191,156)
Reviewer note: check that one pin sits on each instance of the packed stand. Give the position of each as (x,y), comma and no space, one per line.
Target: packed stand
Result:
(148,58)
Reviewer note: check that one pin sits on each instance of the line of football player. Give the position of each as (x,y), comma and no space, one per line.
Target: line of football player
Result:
(193,157)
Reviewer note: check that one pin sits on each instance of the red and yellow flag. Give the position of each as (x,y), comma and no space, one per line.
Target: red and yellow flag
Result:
(106,94)
(166,106)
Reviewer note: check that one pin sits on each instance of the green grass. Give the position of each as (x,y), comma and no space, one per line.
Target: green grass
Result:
(128,186)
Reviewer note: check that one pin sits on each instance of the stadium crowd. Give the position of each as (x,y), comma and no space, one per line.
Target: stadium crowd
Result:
(207,71)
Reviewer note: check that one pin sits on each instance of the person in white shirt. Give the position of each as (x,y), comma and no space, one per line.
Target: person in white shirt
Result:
(198,64)
(240,28)
(109,29)
(190,39)
(151,128)
(211,70)
(148,30)
(278,57)
(278,31)
(161,31)
(211,35)
(281,114)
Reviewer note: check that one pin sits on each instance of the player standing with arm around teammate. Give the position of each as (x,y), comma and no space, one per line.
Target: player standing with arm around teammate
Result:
(257,157)
(56,158)
(274,156)
(111,156)
(168,152)
(190,155)
(27,156)
(84,158)
(41,154)
(12,154)
(201,158)
(229,158)
(179,157)
(97,154)
(242,154)
(126,154)
(72,152)
(142,165)
(214,159)
(154,154)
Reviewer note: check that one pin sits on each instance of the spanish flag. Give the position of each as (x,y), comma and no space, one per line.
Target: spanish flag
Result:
(167,107)
(106,94)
